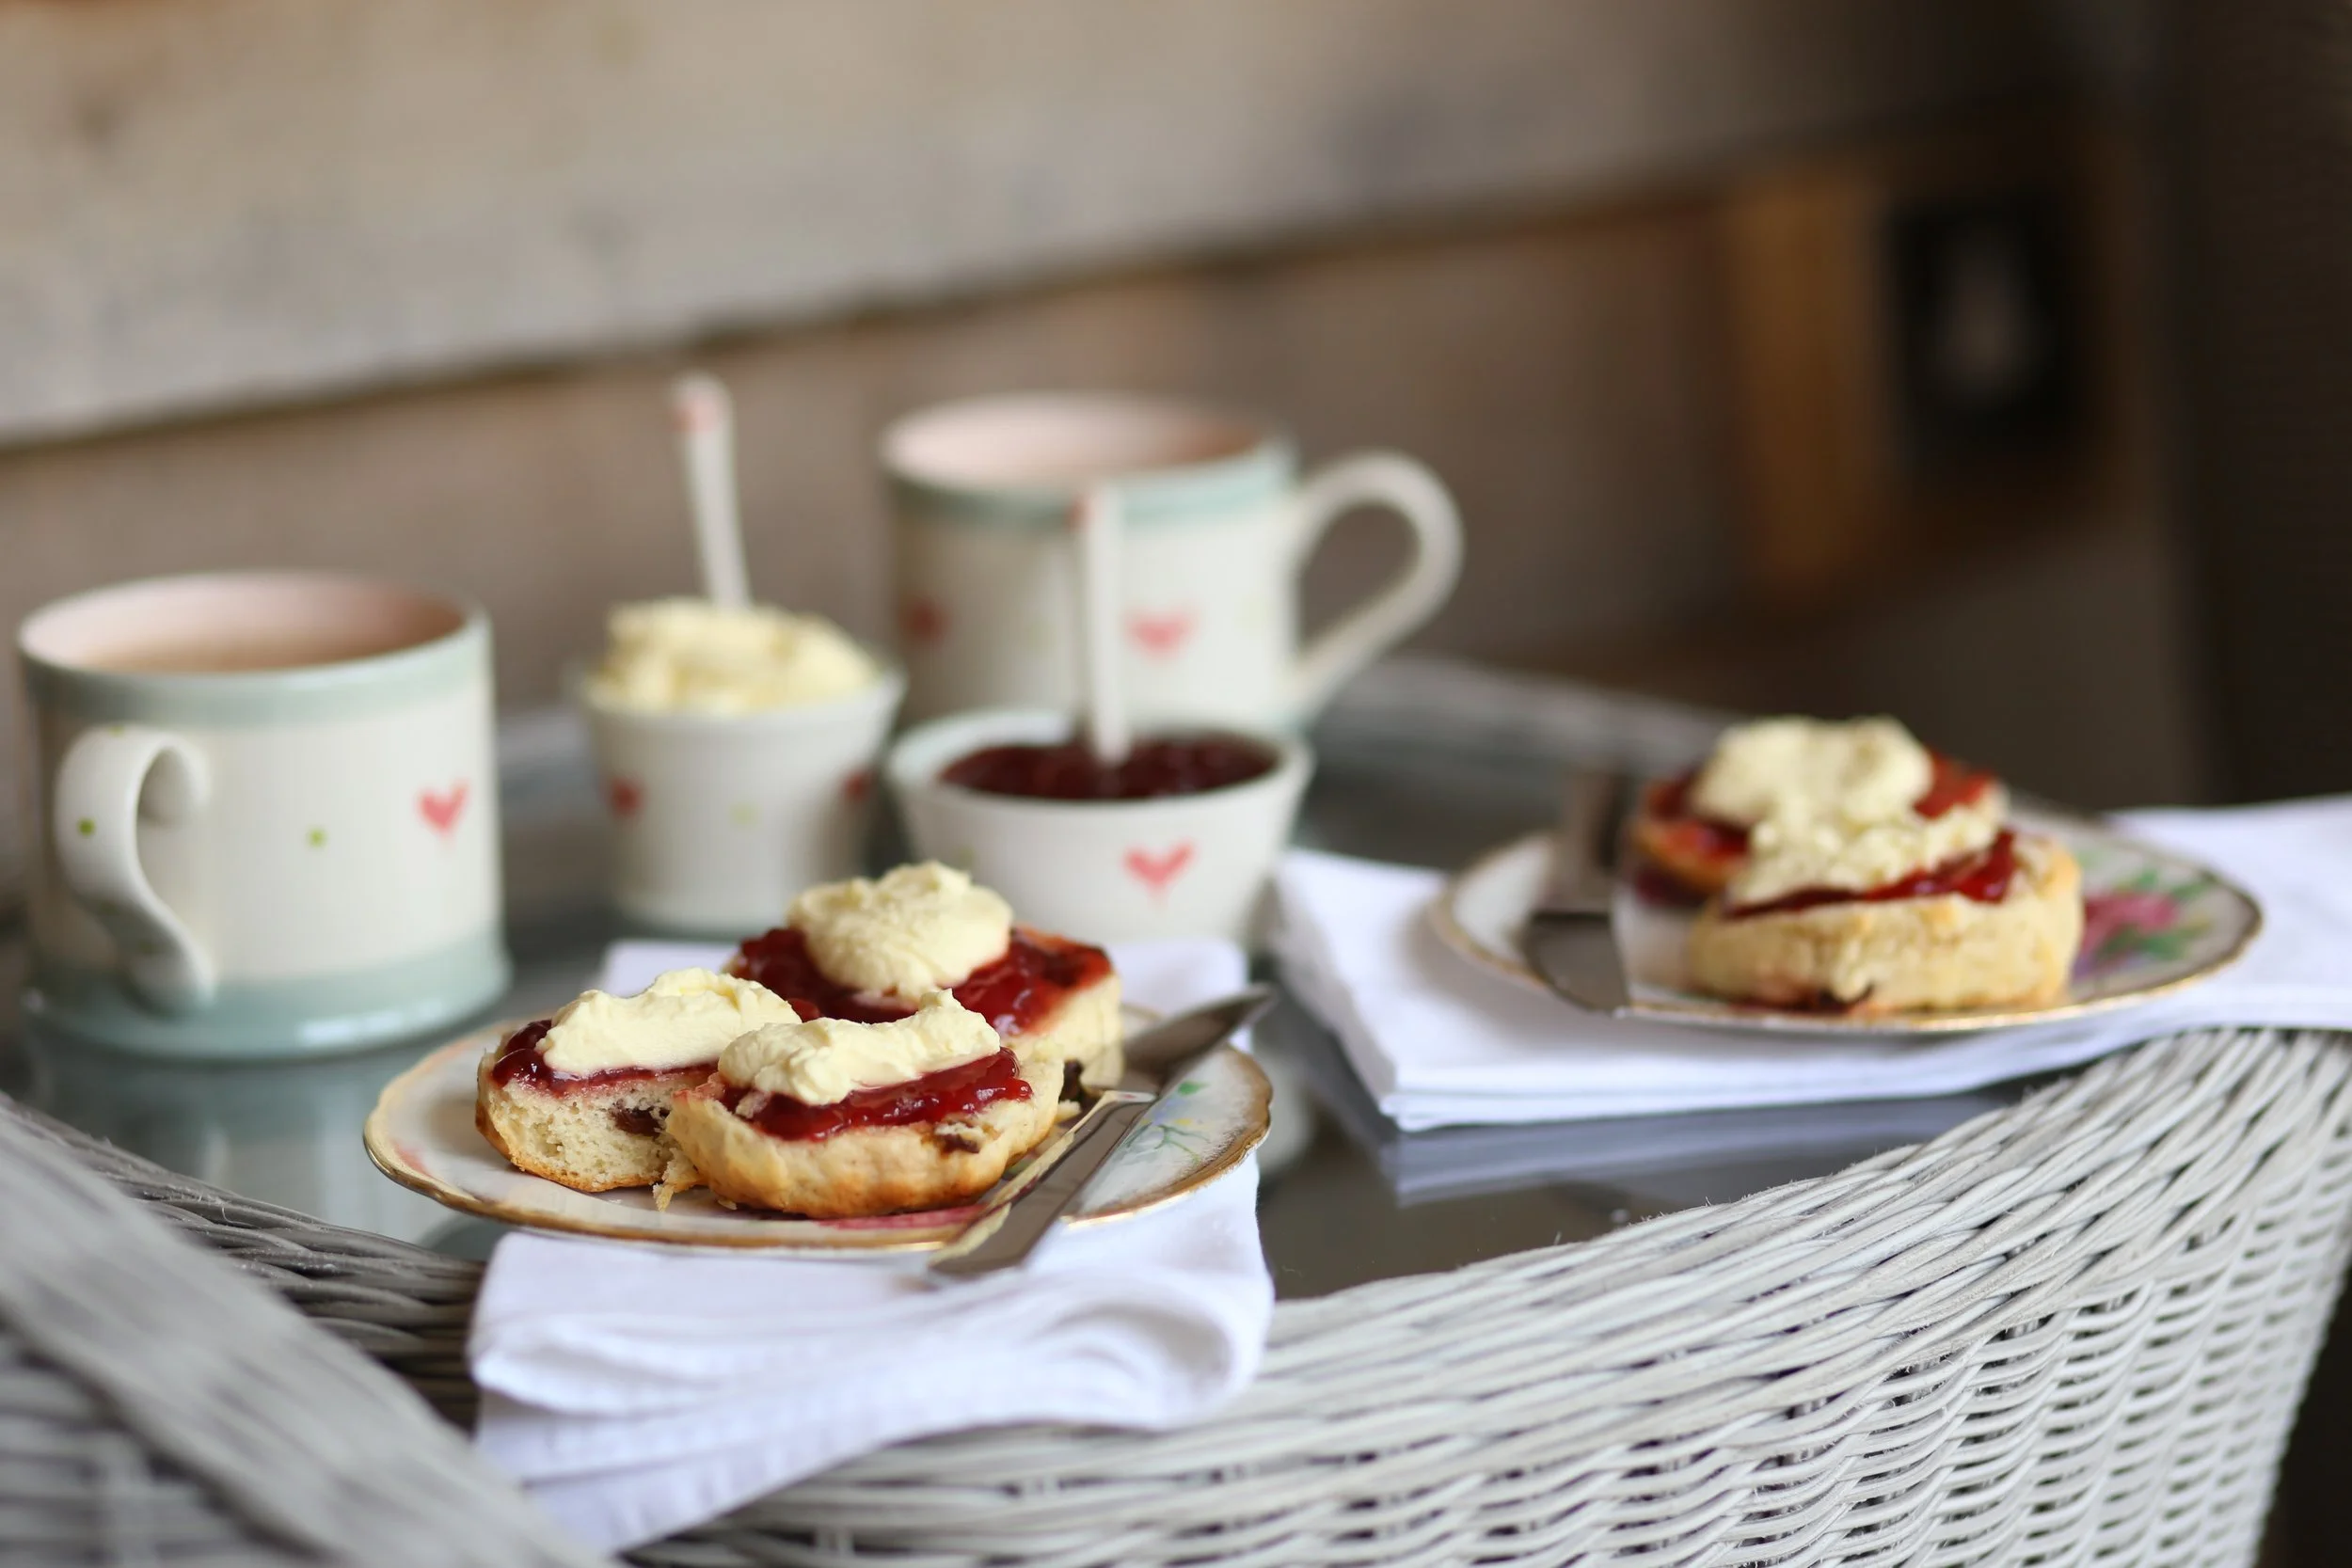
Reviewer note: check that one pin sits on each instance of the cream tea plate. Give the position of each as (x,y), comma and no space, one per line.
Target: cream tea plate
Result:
(422,1135)
(2153,923)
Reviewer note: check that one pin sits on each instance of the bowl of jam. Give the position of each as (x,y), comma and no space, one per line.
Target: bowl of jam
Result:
(1179,839)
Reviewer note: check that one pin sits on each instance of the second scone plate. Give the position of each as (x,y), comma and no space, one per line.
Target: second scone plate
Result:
(422,1135)
(2153,923)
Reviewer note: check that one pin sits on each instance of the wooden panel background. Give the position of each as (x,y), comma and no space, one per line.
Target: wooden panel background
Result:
(213,203)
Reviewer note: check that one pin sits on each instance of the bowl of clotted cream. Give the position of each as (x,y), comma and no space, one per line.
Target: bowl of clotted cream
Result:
(736,750)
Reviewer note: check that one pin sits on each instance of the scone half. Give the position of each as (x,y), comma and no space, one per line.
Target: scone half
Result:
(862,1171)
(1906,955)
(592,1134)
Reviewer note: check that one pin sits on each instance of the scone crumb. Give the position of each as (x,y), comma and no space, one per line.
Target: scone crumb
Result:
(678,1176)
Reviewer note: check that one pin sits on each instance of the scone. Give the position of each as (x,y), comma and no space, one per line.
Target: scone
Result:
(1692,832)
(581,1097)
(2000,926)
(838,1119)
(865,951)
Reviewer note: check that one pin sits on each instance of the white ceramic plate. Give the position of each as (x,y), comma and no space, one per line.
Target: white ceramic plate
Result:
(422,1135)
(2153,923)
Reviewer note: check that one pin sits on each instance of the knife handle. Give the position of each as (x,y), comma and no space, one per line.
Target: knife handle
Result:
(1584,853)
(1013,1231)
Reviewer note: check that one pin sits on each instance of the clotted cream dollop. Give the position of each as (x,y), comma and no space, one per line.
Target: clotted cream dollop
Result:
(828,1059)
(691,656)
(685,1017)
(918,929)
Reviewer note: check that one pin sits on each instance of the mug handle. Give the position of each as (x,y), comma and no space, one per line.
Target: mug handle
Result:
(1356,639)
(112,776)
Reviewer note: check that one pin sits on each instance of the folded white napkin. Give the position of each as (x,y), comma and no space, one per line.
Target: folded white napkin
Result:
(637,1390)
(1438,1041)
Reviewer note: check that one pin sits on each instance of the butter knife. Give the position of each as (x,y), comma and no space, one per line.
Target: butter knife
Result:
(1157,1060)
(1568,939)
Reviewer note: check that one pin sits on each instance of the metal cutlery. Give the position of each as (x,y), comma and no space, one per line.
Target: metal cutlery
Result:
(1569,939)
(1157,1060)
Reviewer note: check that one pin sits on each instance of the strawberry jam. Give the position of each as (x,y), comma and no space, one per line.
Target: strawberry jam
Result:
(956,1091)
(1172,765)
(1984,876)
(1954,783)
(522,1058)
(1013,992)
(1668,800)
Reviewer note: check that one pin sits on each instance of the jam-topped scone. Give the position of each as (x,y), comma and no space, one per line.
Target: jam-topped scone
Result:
(868,951)
(1891,917)
(1692,832)
(581,1097)
(838,1119)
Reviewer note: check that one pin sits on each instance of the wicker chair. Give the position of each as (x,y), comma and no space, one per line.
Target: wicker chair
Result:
(2076,1330)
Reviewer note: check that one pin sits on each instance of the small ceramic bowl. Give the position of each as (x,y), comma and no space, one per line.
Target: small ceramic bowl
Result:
(719,819)
(1100,870)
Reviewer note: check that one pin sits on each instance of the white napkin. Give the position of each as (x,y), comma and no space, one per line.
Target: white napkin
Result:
(637,1390)
(1440,1042)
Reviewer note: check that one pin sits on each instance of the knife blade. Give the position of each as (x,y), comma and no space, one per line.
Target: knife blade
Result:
(1157,1060)
(1569,939)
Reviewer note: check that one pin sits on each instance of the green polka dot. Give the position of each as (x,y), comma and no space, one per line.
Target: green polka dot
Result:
(745,814)
(317,838)
(86,827)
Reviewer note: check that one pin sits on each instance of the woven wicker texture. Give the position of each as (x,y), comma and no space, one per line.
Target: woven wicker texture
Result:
(2074,1331)
(402,1305)
(161,1410)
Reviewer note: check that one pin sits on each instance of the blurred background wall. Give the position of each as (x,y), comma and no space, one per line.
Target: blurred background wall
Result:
(1661,289)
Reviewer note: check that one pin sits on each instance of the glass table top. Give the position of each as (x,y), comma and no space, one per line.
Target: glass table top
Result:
(1426,765)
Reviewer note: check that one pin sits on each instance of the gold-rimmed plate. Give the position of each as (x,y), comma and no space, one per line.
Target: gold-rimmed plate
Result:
(422,1135)
(2155,923)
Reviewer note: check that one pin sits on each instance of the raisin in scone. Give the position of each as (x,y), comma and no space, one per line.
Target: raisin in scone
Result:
(581,1097)
(1989,926)
(839,1120)
(1695,830)
(867,951)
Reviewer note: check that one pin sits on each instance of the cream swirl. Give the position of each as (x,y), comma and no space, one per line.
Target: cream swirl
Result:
(1796,854)
(685,1017)
(1860,770)
(685,654)
(828,1059)
(919,929)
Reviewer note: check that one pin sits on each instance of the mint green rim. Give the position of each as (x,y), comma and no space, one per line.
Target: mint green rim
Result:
(254,698)
(1258,473)
(319,1015)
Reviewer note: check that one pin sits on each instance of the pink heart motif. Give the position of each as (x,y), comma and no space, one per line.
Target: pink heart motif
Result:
(1155,872)
(442,810)
(1162,636)
(923,619)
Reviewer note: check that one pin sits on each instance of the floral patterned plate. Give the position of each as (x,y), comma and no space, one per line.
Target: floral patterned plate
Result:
(2152,923)
(422,1135)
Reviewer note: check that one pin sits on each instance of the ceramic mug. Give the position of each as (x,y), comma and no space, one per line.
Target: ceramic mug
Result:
(1218,528)
(1176,865)
(266,813)
(720,818)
